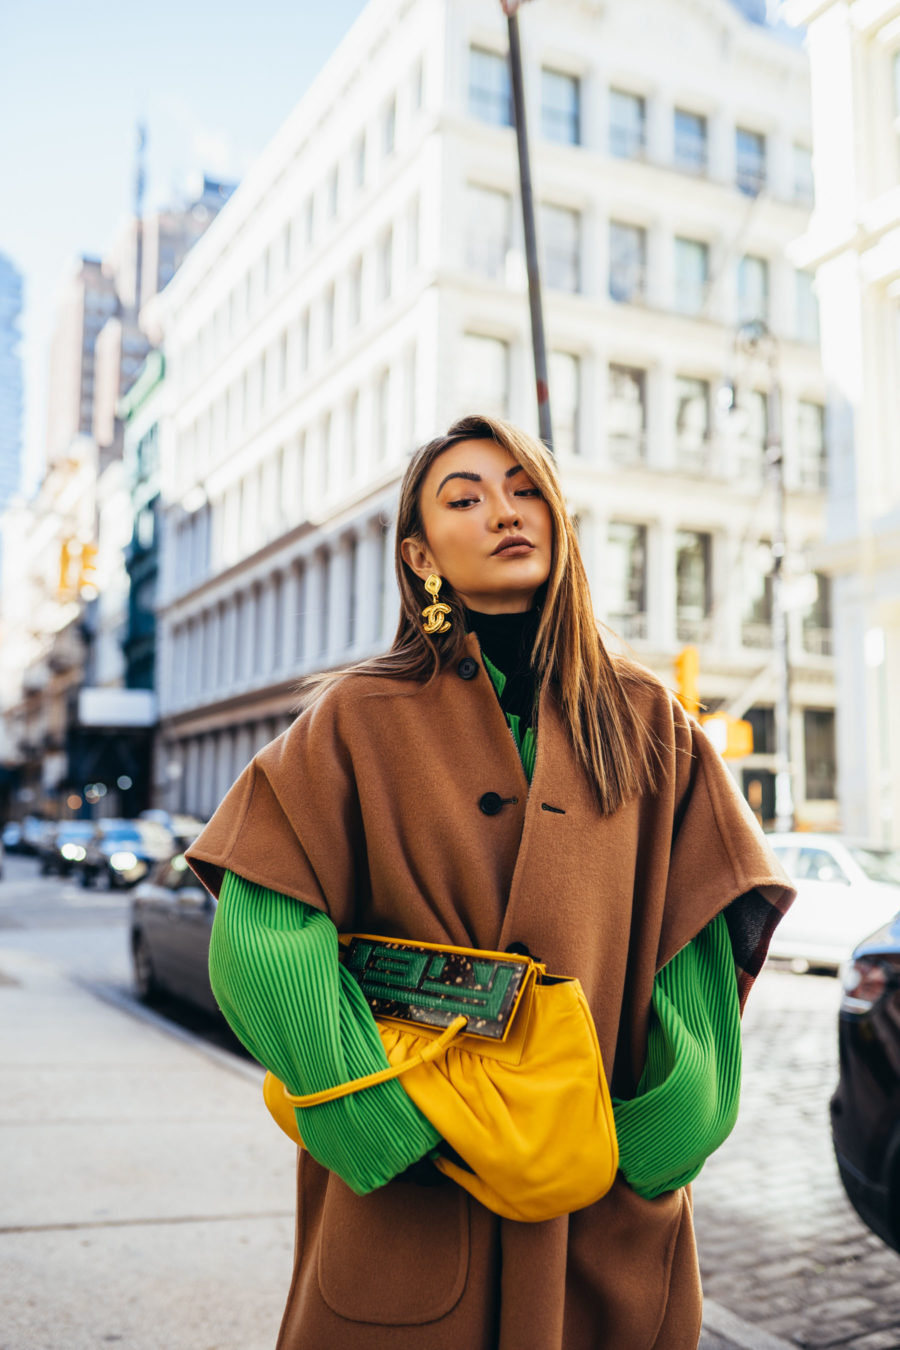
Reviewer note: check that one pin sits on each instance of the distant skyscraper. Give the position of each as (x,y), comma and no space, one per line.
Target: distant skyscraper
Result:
(10,379)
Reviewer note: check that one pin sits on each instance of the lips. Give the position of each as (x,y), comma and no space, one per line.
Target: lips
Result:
(513,541)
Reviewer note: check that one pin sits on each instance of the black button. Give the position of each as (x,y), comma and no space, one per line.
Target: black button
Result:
(467,670)
(491,803)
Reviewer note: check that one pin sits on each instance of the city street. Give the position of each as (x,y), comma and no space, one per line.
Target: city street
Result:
(115,1128)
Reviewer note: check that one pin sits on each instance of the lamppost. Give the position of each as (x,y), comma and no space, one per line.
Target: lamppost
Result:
(755,339)
(510,8)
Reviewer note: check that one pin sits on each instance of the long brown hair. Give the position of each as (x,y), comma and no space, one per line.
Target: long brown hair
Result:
(608,735)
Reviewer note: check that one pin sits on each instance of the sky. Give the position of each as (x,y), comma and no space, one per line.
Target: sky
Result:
(213,83)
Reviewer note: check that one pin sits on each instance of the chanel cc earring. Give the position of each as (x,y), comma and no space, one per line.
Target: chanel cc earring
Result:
(434,614)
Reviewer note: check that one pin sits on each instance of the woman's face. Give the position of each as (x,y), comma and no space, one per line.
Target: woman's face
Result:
(488,530)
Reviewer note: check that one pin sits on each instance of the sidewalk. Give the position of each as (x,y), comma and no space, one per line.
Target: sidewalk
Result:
(118,1224)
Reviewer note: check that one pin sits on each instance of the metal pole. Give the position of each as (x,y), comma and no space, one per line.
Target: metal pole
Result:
(531,256)
(784,797)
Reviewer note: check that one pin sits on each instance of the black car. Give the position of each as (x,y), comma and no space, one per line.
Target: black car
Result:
(865,1109)
(123,851)
(63,847)
(171,918)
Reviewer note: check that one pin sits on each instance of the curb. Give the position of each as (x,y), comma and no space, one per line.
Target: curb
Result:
(740,1334)
(255,1073)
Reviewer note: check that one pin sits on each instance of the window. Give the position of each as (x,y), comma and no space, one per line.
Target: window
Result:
(817,635)
(490,93)
(627,414)
(626,578)
(328,464)
(819,747)
(332,194)
(418,84)
(286,248)
(354,294)
(756,623)
(386,265)
(484,375)
(804,190)
(382,396)
(389,127)
(281,363)
(807,307)
(690,144)
(565,392)
(753,421)
(692,423)
(753,289)
(693,584)
(691,275)
(560,107)
(762,720)
(308,221)
(561,237)
(811,448)
(303,343)
(359,161)
(488,226)
(353,435)
(627,124)
(750,147)
(627,262)
(328,319)
(412,233)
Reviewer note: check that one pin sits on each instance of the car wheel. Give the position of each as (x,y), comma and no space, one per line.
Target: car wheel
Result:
(145,981)
(86,878)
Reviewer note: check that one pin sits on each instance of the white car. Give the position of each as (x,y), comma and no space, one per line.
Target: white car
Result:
(845,890)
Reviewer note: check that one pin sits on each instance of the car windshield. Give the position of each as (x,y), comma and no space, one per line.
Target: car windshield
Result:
(879,864)
(74,829)
(124,831)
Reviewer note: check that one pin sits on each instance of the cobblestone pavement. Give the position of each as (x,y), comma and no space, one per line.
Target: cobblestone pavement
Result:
(780,1245)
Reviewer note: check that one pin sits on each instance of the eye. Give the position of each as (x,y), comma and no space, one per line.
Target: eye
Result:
(463,501)
(528,492)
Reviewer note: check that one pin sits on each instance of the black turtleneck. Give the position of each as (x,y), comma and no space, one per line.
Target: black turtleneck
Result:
(507,641)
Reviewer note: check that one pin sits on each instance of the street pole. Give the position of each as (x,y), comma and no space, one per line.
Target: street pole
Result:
(531,256)
(756,339)
(784,796)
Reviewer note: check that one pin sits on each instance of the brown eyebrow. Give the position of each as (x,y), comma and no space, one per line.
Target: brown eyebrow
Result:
(474,477)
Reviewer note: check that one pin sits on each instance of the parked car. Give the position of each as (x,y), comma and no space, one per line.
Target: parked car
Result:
(123,851)
(865,1109)
(171,918)
(64,846)
(12,837)
(845,888)
(183,828)
(2,859)
(33,831)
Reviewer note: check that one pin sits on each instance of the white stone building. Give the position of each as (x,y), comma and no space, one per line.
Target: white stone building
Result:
(366,283)
(853,243)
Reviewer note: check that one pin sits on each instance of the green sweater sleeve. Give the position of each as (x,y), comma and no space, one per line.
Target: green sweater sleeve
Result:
(687,1098)
(274,969)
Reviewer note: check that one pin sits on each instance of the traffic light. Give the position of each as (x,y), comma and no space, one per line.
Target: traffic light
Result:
(732,737)
(687,675)
(87,570)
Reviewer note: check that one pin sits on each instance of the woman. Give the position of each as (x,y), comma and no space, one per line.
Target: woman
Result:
(497,780)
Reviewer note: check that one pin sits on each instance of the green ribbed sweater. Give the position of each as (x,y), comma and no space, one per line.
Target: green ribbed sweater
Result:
(274,970)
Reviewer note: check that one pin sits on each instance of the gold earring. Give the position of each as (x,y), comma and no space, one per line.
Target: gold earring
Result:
(434,614)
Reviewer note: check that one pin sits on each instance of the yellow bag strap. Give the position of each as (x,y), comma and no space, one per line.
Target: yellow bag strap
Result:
(431,1051)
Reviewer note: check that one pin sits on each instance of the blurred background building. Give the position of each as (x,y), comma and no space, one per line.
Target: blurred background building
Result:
(366,284)
(853,243)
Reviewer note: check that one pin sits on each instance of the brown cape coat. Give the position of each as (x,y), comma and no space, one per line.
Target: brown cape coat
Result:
(367,807)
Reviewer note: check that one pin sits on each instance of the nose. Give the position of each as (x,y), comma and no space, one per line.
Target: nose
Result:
(506,516)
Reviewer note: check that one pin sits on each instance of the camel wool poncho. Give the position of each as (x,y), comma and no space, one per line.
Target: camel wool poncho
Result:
(370,807)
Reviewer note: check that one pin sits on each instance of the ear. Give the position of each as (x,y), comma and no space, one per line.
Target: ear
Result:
(416,556)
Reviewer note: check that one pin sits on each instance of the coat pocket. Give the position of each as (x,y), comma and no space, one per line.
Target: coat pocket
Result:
(396,1257)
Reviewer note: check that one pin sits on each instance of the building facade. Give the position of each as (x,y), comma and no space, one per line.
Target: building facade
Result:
(10,379)
(853,243)
(367,284)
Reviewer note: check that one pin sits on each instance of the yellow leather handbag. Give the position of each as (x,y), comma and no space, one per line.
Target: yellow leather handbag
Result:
(501,1058)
